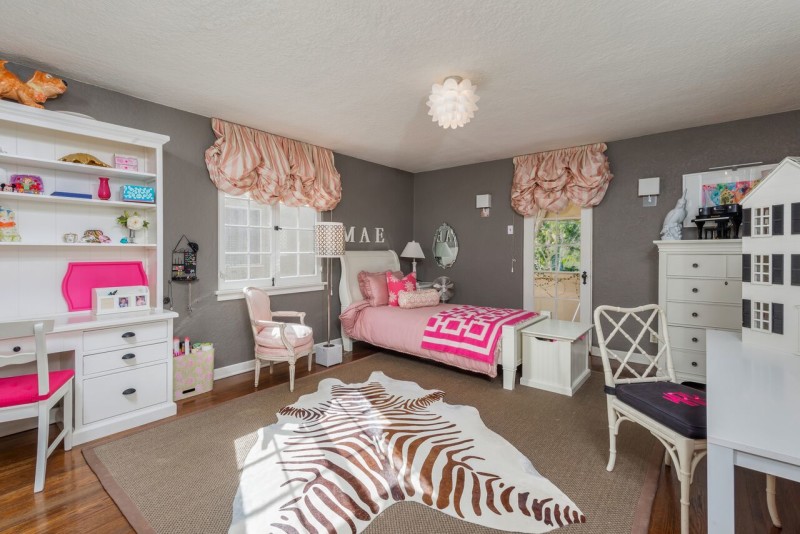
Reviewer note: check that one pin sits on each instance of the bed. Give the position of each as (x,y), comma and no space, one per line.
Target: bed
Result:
(371,325)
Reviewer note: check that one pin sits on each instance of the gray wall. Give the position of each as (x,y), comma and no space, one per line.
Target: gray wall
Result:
(374,195)
(625,261)
(482,272)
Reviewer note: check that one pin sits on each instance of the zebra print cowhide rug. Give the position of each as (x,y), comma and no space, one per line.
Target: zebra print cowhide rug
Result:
(338,457)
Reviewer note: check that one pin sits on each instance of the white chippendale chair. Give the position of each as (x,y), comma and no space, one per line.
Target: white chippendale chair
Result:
(277,341)
(34,395)
(675,414)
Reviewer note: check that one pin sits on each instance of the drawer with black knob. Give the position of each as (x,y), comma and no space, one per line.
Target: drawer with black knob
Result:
(699,290)
(697,265)
(124,336)
(681,337)
(123,392)
(124,358)
(689,363)
(704,315)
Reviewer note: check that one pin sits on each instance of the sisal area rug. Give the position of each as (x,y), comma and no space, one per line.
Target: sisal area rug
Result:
(183,476)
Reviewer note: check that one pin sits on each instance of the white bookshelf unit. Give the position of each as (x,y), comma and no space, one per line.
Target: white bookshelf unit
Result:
(32,269)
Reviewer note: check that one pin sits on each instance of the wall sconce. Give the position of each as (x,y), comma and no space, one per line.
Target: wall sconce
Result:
(484,203)
(649,188)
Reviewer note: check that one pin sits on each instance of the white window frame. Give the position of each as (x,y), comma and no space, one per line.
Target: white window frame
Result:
(232,289)
(762,317)
(762,222)
(762,269)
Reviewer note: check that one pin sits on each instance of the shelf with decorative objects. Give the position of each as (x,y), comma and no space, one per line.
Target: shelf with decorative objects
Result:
(76,228)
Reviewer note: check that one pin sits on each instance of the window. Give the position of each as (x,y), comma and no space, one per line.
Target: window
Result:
(762,224)
(761,269)
(761,316)
(267,246)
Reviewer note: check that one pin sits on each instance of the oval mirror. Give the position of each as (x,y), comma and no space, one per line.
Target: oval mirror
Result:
(445,246)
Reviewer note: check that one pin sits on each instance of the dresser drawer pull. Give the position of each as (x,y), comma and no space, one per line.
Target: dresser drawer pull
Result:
(695,265)
(695,290)
(128,356)
(694,314)
(129,391)
(17,348)
(128,334)
(694,340)
(694,364)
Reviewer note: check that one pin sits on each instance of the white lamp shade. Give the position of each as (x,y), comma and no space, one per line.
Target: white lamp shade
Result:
(329,239)
(483,201)
(412,250)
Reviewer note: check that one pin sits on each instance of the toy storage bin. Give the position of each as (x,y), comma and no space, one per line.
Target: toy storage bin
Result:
(193,374)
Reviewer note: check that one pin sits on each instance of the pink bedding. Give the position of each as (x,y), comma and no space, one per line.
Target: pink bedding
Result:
(401,329)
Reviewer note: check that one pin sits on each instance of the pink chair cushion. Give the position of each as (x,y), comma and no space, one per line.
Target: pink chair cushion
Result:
(373,287)
(396,284)
(298,349)
(297,334)
(19,390)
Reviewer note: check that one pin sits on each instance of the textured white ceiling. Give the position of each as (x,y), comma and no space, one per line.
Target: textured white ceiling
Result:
(354,76)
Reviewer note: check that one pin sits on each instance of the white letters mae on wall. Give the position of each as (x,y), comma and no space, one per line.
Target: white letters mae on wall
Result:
(349,236)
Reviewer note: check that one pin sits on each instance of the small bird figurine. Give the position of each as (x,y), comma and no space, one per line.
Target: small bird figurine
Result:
(673,222)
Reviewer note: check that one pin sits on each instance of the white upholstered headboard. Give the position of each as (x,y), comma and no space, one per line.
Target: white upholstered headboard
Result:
(354,262)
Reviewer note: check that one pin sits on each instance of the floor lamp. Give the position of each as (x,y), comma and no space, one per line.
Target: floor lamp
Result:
(329,243)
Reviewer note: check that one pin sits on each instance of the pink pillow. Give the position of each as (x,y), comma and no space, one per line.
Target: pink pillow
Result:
(418,299)
(373,287)
(397,284)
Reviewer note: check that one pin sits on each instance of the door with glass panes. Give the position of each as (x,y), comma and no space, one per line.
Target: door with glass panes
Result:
(557,264)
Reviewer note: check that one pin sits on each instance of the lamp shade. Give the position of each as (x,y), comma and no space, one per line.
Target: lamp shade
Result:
(329,239)
(412,250)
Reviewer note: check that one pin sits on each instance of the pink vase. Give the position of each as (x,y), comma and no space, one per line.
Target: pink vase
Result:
(103,192)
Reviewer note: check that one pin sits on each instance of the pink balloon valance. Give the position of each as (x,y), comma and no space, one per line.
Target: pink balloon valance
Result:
(272,168)
(550,180)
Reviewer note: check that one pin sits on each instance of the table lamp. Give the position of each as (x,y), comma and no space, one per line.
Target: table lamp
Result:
(413,251)
(329,243)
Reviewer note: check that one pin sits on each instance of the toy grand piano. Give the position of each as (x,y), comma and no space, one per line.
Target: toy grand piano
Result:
(726,220)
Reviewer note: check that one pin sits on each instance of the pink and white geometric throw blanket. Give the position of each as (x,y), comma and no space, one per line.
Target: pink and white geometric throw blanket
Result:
(470,331)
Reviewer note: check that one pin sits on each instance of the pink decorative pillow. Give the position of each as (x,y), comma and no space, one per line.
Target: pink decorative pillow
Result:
(373,287)
(418,299)
(397,284)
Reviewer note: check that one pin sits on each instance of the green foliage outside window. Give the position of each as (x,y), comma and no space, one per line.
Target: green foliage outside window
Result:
(558,246)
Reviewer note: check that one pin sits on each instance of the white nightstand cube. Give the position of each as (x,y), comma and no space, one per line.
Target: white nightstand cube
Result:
(555,355)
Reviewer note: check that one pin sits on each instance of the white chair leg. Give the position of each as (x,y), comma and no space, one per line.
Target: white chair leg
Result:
(310,360)
(68,421)
(685,450)
(612,437)
(291,376)
(667,458)
(772,506)
(258,369)
(270,367)
(41,447)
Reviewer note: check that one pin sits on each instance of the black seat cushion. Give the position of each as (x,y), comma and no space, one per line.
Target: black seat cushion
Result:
(678,407)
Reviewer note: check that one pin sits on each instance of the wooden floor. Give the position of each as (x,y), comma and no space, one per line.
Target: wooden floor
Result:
(74,501)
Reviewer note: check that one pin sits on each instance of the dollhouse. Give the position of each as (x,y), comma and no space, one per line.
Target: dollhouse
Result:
(771,260)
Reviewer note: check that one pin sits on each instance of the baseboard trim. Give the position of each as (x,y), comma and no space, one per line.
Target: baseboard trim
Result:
(250,365)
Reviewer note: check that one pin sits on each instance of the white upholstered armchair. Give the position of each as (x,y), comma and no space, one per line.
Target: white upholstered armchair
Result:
(277,341)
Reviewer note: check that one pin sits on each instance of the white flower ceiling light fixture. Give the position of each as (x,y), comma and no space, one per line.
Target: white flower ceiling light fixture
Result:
(453,102)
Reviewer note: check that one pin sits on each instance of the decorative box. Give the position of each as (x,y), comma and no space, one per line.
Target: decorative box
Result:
(138,193)
(120,299)
(193,373)
(127,163)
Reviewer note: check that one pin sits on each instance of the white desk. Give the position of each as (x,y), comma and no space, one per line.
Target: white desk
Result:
(753,418)
(555,355)
(111,356)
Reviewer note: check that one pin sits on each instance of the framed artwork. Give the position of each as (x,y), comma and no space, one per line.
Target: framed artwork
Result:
(718,187)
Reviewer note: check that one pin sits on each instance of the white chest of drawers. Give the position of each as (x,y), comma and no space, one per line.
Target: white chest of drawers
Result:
(699,287)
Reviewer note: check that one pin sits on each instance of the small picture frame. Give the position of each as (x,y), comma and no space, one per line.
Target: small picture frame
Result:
(120,299)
